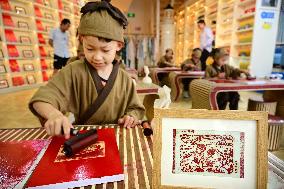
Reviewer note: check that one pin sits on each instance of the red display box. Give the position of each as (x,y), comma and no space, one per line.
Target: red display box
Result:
(10,36)
(14,66)
(12,51)
(41,39)
(37,11)
(45,76)
(18,81)
(39,25)
(42,52)
(7,20)
(5,5)
(43,64)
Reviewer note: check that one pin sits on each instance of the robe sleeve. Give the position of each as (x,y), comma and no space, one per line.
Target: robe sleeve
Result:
(56,92)
(208,72)
(134,107)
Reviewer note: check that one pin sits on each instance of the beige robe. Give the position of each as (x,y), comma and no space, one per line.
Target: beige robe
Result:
(213,71)
(73,90)
(191,62)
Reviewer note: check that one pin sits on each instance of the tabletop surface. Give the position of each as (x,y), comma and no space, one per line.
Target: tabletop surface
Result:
(142,88)
(135,150)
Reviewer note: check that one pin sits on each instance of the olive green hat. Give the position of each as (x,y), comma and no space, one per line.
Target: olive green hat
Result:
(219,53)
(101,19)
(196,53)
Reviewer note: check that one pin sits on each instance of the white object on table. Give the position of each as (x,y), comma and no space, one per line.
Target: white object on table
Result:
(164,100)
(146,79)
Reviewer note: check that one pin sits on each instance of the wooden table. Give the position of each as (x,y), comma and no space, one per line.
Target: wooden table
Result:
(155,71)
(175,80)
(210,89)
(136,152)
(144,89)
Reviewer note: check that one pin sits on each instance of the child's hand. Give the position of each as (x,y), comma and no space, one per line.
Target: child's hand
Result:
(128,121)
(55,123)
(222,75)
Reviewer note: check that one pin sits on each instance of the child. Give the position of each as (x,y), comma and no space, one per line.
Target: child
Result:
(221,70)
(95,90)
(167,60)
(192,64)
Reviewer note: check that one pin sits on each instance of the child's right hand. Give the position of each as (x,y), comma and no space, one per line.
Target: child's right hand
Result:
(55,123)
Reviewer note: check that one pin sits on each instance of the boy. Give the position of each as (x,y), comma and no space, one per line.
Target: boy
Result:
(167,59)
(95,90)
(221,70)
(193,64)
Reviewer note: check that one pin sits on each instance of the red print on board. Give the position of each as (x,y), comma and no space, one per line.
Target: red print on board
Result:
(208,153)
(94,151)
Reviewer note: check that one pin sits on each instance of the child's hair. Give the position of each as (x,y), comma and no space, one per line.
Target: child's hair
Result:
(65,21)
(168,50)
(200,22)
(219,53)
(196,49)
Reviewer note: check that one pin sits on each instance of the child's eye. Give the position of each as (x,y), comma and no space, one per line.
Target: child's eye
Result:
(106,51)
(89,49)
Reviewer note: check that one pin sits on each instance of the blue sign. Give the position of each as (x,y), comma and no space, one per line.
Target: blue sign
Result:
(267,15)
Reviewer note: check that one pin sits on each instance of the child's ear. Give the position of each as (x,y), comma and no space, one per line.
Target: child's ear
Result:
(120,45)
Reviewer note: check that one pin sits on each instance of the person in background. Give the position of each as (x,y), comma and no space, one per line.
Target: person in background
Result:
(221,70)
(80,54)
(206,42)
(191,64)
(58,39)
(167,60)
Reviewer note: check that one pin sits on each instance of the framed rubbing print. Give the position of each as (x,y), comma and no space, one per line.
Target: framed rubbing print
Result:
(20,10)
(4,83)
(25,39)
(210,149)
(31,79)
(23,25)
(48,16)
(28,67)
(2,69)
(28,53)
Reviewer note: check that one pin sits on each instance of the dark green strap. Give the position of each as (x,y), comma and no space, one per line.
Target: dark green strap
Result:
(103,92)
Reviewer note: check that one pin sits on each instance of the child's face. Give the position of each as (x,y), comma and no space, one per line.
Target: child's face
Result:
(223,60)
(100,53)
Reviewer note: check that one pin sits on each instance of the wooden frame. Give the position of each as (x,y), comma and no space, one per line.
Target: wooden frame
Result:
(28,67)
(20,10)
(4,83)
(25,39)
(260,119)
(28,53)
(31,79)
(48,16)
(3,68)
(22,24)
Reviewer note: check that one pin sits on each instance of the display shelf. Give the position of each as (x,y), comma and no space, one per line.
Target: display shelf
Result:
(246,3)
(11,13)
(40,19)
(246,16)
(244,30)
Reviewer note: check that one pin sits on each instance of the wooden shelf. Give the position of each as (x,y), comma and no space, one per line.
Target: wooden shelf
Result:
(245,16)
(11,13)
(17,29)
(244,30)
(45,20)
(21,58)
(244,44)
(20,88)
(19,44)
(246,3)
(45,7)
